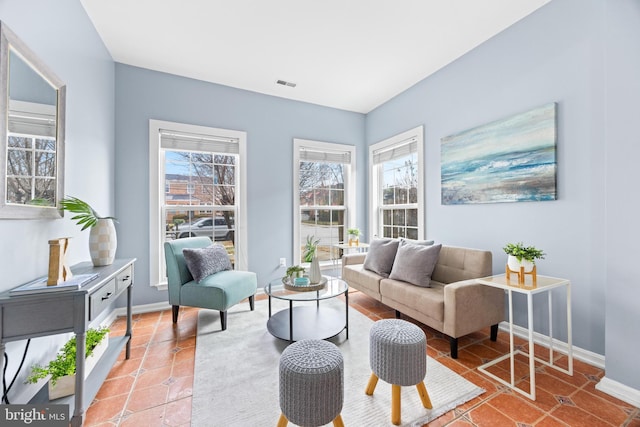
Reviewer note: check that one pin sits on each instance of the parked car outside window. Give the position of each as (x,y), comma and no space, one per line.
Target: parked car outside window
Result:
(217,230)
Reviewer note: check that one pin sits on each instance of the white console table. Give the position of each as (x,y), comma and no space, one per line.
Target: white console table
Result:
(543,284)
(41,314)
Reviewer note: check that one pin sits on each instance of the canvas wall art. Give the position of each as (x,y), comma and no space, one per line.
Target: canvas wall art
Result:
(509,160)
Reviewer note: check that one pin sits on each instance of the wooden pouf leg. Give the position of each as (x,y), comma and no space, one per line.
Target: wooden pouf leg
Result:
(395,404)
(424,395)
(337,422)
(282,422)
(371,386)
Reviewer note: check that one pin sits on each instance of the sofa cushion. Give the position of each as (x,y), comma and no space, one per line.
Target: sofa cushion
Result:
(359,278)
(380,256)
(203,262)
(415,263)
(428,301)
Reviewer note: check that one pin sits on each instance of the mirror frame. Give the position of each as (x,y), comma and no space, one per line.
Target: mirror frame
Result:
(8,39)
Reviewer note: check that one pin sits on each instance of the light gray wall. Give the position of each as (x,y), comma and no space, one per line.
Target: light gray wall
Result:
(62,35)
(556,54)
(271,124)
(622,142)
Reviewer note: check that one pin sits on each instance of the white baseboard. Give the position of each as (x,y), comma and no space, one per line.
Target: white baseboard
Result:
(137,309)
(619,391)
(581,354)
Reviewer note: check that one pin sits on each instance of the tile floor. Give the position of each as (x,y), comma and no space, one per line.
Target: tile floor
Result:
(154,387)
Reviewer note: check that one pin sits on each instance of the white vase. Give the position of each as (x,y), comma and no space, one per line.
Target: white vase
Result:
(315,275)
(514,264)
(103,242)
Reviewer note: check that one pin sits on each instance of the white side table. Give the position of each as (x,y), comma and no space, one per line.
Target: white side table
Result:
(360,247)
(544,284)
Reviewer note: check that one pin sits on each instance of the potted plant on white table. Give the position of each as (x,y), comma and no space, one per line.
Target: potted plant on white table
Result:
(523,256)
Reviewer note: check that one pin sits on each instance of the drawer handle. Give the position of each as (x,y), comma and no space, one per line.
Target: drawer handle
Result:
(106,296)
(125,278)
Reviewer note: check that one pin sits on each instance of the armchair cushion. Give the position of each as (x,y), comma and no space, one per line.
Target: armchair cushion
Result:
(415,263)
(203,262)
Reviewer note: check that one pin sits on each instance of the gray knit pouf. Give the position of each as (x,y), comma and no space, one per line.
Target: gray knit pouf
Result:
(398,352)
(311,383)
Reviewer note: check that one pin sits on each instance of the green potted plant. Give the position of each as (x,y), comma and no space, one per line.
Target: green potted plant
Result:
(62,369)
(295,271)
(103,240)
(520,255)
(310,248)
(354,234)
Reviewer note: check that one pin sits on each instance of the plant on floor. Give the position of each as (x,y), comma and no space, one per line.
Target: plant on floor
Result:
(65,361)
(310,248)
(87,217)
(522,252)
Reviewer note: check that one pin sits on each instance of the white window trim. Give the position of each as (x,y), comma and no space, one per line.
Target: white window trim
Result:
(375,193)
(349,186)
(156,191)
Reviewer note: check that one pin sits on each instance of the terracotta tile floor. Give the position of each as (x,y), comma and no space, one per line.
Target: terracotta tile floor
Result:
(154,387)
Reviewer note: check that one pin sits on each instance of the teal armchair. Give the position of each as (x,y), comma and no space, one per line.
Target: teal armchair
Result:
(219,291)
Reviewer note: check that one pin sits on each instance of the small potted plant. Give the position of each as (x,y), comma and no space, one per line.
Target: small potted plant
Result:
(62,369)
(103,240)
(522,256)
(295,271)
(354,234)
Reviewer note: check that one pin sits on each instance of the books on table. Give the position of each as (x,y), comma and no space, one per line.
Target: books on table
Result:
(40,285)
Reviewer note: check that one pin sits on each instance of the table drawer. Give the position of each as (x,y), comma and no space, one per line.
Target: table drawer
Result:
(100,299)
(124,279)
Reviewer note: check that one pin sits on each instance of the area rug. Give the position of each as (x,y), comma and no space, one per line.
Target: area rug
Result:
(236,374)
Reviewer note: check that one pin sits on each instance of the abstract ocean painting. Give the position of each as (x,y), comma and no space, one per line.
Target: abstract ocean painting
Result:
(509,160)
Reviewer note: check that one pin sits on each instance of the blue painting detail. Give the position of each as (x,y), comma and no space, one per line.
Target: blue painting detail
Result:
(509,160)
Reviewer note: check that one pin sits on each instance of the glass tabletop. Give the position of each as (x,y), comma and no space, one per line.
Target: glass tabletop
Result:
(333,288)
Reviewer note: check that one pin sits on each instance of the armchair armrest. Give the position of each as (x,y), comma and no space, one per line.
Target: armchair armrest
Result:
(470,306)
(355,258)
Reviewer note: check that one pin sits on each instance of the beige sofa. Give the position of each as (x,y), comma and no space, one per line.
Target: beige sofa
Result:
(455,304)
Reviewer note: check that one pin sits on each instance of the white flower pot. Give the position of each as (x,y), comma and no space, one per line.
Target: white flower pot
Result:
(514,264)
(66,386)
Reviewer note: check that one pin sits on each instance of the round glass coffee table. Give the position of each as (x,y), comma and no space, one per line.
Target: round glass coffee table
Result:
(308,321)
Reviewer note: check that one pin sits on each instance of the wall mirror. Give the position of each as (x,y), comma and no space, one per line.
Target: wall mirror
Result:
(32,106)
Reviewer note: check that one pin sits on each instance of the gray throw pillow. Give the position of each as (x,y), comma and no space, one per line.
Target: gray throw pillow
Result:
(380,256)
(404,241)
(203,262)
(415,263)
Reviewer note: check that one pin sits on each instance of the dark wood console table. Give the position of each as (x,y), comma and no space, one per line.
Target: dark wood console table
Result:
(41,314)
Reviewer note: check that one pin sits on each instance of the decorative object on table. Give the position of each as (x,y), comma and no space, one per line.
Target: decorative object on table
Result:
(354,236)
(103,240)
(509,160)
(311,255)
(522,260)
(62,369)
(58,269)
(294,271)
(302,284)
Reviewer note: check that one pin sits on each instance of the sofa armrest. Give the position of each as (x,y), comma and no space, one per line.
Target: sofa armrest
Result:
(356,258)
(470,306)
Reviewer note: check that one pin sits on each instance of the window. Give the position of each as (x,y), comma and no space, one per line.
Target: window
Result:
(396,198)
(201,171)
(324,195)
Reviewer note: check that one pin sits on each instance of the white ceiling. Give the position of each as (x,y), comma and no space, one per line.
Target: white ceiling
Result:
(347,54)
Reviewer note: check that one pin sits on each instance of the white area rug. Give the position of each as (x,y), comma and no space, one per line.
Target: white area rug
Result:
(236,375)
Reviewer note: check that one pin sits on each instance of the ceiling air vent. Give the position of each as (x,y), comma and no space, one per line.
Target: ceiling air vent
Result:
(286,83)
